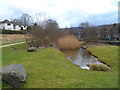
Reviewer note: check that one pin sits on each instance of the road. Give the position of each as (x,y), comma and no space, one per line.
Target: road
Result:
(11,44)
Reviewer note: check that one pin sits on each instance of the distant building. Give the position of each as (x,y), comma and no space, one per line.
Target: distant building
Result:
(12,25)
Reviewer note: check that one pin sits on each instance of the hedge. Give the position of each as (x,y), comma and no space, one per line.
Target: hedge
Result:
(12,32)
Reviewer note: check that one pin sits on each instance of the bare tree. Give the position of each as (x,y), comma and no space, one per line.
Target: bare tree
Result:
(83,30)
(108,32)
(52,29)
(44,34)
(25,19)
(88,33)
(113,32)
(41,19)
(103,32)
(37,36)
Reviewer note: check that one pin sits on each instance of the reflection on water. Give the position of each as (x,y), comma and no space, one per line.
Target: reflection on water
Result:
(81,57)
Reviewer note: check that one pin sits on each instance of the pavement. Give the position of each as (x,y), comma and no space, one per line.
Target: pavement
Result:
(11,44)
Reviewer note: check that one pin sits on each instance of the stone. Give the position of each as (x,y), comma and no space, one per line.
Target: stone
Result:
(32,49)
(14,48)
(14,74)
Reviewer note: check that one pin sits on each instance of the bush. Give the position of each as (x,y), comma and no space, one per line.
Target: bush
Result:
(12,32)
(99,67)
(68,42)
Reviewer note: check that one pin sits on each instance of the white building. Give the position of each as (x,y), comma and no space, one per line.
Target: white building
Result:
(7,25)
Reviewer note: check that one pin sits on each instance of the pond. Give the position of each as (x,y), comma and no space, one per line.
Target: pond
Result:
(81,57)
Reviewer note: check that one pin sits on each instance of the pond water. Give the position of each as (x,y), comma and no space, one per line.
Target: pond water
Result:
(81,57)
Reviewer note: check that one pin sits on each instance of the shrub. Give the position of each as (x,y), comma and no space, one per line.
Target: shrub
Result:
(99,67)
(68,42)
(12,32)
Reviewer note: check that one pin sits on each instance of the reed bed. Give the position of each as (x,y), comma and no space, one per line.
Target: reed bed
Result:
(68,42)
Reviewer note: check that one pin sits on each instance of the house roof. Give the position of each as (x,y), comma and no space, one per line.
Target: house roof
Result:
(12,22)
(6,21)
(16,23)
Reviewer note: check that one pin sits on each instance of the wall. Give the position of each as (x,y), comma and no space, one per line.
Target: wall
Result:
(17,28)
(11,27)
(8,27)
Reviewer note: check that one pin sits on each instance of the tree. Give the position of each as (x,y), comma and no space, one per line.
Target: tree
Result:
(113,31)
(103,32)
(52,29)
(88,33)
(37,36)
(108,32)
(83,25)
(25,19)
(44,36)
(41,19)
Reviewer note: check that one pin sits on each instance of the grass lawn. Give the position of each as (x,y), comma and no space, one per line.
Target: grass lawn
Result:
(49,68)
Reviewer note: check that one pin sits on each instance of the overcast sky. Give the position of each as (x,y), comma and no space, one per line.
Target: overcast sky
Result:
(65,12)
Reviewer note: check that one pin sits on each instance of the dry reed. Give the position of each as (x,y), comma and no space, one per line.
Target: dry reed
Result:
(68,42)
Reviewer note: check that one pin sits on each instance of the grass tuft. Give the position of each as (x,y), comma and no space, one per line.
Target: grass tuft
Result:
(99,67)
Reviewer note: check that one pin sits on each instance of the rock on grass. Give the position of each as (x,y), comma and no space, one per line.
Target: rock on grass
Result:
(32,49)
(14,74)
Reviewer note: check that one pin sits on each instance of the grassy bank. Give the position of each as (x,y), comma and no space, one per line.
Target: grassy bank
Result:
(12,38)
(107,54)
(49,68)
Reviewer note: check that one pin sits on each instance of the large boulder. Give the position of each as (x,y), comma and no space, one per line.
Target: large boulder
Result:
(14,74)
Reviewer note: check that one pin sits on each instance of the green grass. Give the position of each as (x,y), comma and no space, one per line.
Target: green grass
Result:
(49,68)
(107,54)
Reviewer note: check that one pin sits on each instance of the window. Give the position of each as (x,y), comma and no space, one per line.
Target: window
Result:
(21,28)
(14,26)
(8,24)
